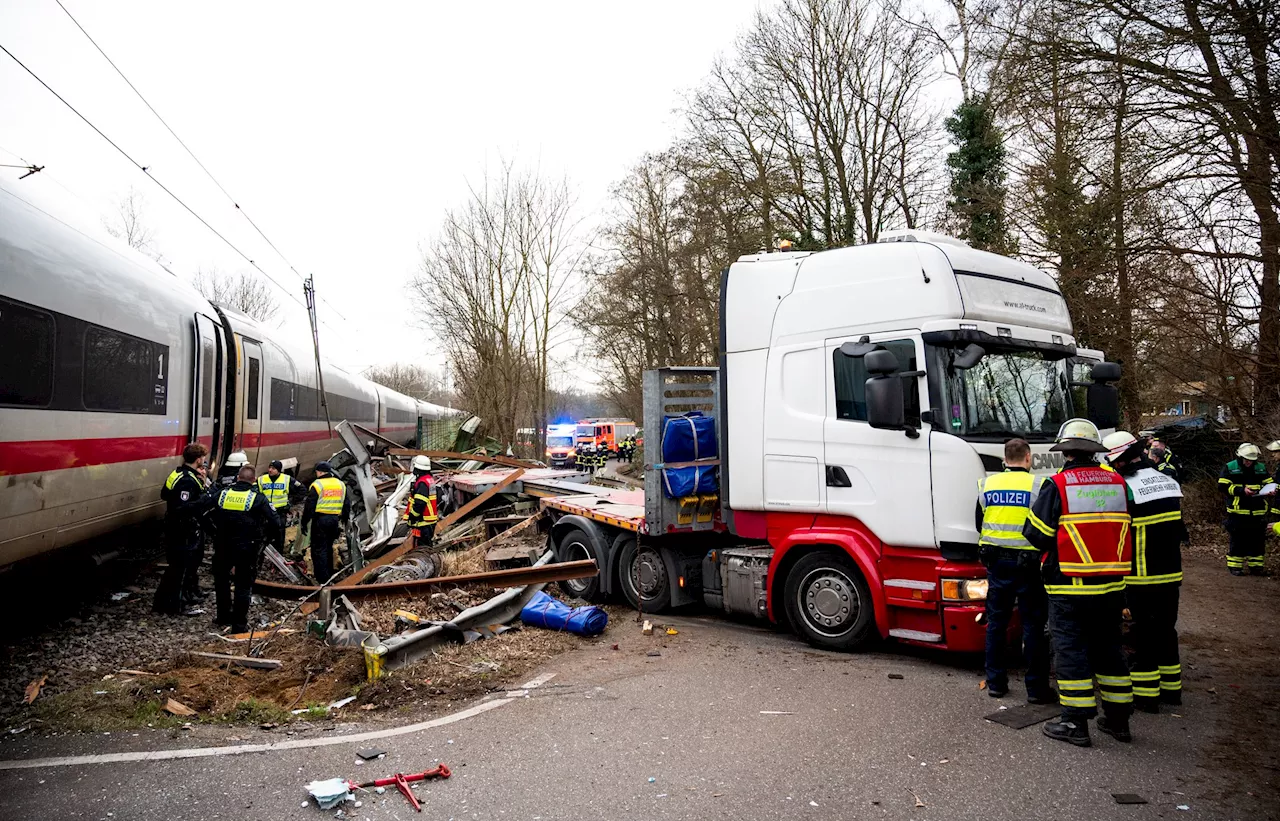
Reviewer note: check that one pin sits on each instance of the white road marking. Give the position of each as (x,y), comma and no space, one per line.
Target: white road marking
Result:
(240,749)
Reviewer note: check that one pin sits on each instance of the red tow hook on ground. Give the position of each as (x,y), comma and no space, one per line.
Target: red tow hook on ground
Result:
(401,782)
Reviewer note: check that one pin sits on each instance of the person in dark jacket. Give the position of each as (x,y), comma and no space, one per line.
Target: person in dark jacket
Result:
(422,512)
(1242,482)
(278,487)
(185,493)
(1152,586)
(327,506)
(243,518)
(1163,460)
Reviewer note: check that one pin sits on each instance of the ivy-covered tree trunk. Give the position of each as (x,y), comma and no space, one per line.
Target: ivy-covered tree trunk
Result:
(978,176)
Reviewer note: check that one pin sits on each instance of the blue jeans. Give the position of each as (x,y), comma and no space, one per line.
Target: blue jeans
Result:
(1013,579)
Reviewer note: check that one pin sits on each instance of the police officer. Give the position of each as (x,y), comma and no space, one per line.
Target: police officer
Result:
(1013,573)
(185,495)
(1242,481)
(278,487)
(1081,522)
(1152,586)
(241,516)
(326,506)
(423,513)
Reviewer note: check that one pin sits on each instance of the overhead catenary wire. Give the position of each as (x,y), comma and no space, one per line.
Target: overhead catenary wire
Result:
(192,154)
(152,177)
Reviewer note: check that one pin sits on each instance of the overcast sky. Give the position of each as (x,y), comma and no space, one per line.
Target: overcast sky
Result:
(344,130)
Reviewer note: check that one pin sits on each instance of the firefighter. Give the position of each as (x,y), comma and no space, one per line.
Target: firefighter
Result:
(1163,460)
(185,494)
(1013,573)
(1242,481)
(278,487)
(242,515)
(1081,521)
(326,506)
(228,471)
(1152,586)
(423,513)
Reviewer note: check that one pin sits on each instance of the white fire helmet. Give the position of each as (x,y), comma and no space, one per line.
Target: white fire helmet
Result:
(1118,443)
(1249,451)
(236,460)
(421,463)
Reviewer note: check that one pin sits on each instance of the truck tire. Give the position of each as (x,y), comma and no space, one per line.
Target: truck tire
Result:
(828,602)
(574,546)
(643,577)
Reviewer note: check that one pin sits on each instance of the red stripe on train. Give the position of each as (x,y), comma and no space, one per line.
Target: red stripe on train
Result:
(60,454)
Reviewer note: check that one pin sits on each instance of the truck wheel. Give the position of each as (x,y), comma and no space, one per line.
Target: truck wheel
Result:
(575,546)
(828,602)
(643,577)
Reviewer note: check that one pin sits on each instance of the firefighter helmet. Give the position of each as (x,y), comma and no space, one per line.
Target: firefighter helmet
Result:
(1249,451)
(421,464)
(1079,435)
(1118,444)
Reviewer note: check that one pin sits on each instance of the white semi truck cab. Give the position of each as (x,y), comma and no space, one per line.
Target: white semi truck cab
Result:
(862,395)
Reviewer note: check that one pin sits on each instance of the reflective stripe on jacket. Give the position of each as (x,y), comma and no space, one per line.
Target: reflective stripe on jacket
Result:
(1235,479)
(422,507)
(1006,500)
(330,494)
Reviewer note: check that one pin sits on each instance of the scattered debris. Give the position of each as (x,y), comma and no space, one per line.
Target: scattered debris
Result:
(653,653)
(34,688)
(982,685)
(238,661)
(919,803)
(177,708)
(1128,798)
(371,753)
(342,702)
(671,631)
(121,596)
(647,629)
(896,676)
(329,793)
(776,713)
(1183,807)
(401,782)
(135,673)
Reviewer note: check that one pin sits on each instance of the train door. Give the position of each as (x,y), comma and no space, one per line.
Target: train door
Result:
(251,399)
(206,387)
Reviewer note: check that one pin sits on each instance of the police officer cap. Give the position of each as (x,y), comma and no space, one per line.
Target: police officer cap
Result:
(277,464)
(324,467)
(1079,435)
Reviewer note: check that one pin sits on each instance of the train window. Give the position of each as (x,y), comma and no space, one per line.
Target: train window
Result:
(206,379)
(26,356)
(124,374)
(251,391)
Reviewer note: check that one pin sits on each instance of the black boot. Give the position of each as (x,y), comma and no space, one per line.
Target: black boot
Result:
(1147,705)
(1171,697)
(1049,696)
(1072,732)
(1117,728)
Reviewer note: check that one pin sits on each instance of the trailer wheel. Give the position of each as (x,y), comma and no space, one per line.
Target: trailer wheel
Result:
(643,577)
(576,546)
(828,602)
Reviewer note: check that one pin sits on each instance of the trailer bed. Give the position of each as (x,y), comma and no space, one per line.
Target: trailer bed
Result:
(618,507)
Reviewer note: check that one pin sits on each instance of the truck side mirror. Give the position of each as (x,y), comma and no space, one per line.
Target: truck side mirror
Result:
(1103,399)
(884,392)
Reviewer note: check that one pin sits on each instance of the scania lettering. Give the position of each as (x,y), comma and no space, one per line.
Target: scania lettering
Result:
(862,395)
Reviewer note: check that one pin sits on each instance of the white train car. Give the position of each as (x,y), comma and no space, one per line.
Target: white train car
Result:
(109,365)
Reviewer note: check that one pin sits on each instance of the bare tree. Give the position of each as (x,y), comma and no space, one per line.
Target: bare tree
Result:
(128,223)
(245,292)
(411,380)
(495,284)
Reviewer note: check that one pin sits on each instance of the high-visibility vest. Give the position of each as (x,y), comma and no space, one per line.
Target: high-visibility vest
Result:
(1157,528)
(240,500)
(1093,529)
(1006,500)
(422,510)
(276,490)
(330,493)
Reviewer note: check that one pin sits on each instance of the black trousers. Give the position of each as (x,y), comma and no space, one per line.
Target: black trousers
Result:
(324,532)
(1155,667)
(424,536)
(1013,579)
(179,586)
(238,563)
(1248,543)
(277,541)
(1086,645)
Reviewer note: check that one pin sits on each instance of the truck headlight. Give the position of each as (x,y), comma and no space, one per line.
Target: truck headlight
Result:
(964,589)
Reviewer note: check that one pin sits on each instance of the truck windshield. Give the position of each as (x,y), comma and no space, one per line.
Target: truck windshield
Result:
(1007,394)
(559,441)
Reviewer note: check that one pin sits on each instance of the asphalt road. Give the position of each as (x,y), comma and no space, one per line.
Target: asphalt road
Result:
(729,722)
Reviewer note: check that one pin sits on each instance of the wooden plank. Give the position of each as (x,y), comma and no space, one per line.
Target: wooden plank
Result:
(239,661)
(467,457)
(409,544)
(514,577)
(490,545)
